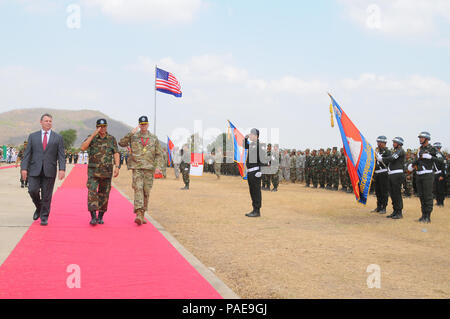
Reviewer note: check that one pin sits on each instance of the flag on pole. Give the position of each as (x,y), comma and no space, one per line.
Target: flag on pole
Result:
(240,153)
(170,147)
(166,82)
(359,154)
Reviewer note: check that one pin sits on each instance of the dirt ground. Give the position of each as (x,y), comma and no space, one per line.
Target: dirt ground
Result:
(309,243)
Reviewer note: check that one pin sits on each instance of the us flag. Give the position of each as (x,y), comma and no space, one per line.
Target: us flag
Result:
(166,82)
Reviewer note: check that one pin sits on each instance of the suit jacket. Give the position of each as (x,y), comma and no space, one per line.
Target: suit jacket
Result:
(36,159)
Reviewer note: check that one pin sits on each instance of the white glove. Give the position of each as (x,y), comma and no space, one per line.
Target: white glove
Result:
(379,157)
(410,168)
(258,174)
(426,155)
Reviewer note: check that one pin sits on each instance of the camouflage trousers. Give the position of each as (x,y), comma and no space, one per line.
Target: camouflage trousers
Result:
(98,192)
(265,179)
(335,178)
(322,178)
(286,172)
(275,178)
(142,184)
(164,171)
(343,177)
(217,167)
(293,174)
(308,176)
(300,174)
(185,173)
(176,169)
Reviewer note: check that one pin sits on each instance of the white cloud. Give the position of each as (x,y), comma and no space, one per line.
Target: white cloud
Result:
(399,17)
(162,11)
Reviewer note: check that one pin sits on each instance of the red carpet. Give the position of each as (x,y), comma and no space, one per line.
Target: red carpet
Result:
(11,166)
(117,260)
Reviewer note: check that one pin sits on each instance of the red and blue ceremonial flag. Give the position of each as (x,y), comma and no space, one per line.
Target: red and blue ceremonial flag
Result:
(166,82)
(240,153)
(170,147)
(358,152)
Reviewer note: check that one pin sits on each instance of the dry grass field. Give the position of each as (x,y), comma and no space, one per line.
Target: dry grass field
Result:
(309,243)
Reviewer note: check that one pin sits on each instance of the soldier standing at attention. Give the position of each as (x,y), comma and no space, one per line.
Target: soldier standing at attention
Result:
(320,168)
(255,160)
(308,176)
(23,183)
(102,149)
(285,165)
(218,159)
(334,169)
(266,171)
(185,165)
(274,168)
(342,170)
(146,158)
(327,167)
(300,166)
(395,176)
(292,167)
(176,162)
(381,177)
(314,168)
(425,176)
(440,175)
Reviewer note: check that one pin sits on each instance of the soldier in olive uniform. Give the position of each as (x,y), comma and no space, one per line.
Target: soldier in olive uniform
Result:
(327,171)
(266,172)
(145,159)
(218,159)
(381,177)
(308,176)
(342,164)
(396,175)
(102,149)
(440,175)
(165,161)
(23,183)
(334,166)
(292,167)
(423,166)
(314,168)
(185,165)
(274,177)
(320,168)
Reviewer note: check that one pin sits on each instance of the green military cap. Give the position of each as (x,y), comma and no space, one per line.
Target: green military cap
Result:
(334,148)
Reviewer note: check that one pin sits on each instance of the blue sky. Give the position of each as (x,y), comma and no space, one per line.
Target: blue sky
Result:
(258,63)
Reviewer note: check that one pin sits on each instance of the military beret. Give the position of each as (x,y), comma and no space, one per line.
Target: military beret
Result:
(143,119)
(101,122)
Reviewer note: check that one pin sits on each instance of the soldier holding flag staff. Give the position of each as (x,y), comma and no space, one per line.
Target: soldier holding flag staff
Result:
(381,177)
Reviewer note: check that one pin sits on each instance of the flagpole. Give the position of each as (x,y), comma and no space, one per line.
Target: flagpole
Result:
(154,126)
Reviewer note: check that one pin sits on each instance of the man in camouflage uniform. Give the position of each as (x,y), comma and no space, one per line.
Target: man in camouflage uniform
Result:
(334,167)
(292,167)
(300,167)
(266,171)
(327,169)
(185,165)
(308,173)
(285,165)
(23,183)
(408,184)
(274,177)
(342,164)
(314,168)
(102,149)
(320,168)
(145,159)
(176,162)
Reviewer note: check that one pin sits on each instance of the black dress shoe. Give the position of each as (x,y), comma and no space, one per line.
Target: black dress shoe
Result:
(248,214)
(255,213)
(37,214)
(382,211)
(399,215)
(391,215)
(44,222)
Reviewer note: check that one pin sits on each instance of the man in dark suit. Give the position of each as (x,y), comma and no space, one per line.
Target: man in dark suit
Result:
(44,149)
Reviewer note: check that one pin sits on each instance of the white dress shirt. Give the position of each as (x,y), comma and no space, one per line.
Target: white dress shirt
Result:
(43,134)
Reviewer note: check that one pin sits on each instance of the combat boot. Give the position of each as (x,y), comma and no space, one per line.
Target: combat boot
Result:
(93,218)
(255,213)
(248,214)
(138,219)
(276,189)
(186,187)
(399,215)
(392,215)
(382,211)
(421,219)
(376,210)
(427,218)
(100,218)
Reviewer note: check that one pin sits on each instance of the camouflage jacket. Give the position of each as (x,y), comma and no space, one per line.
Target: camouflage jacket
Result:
(149,156)
(293,161)
(101,154)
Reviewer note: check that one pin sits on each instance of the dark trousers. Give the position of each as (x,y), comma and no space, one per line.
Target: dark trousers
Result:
(425,189)
(254,185)
(395,190)
(382,189)
(440,187)
(40,189)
